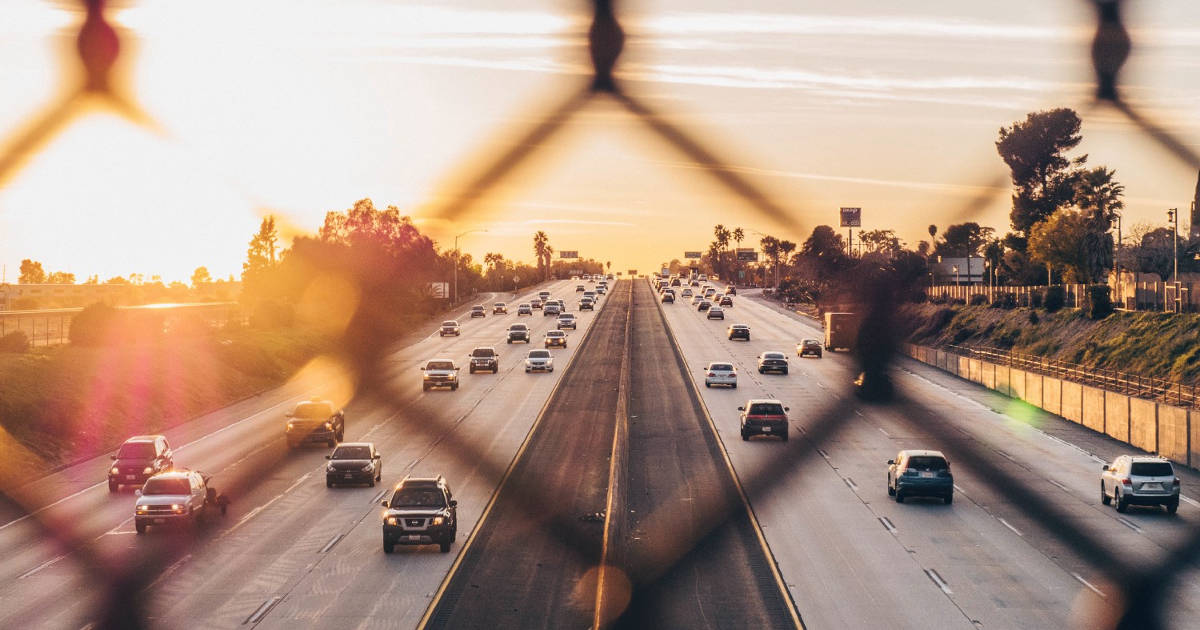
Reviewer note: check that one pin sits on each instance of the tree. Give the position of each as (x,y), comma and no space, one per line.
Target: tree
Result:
(824,253)
(60,277)
(1154,252)
(608,265)
(1098,195)
(932,232)
(963,239)
(260,255)
(31,272)
(1034,151)
(881,242)
(200,277)
(493,261)
(1059,241)
(542,251)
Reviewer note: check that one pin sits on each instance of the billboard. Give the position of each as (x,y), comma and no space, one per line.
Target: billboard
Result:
(633,272)
(747,254)
(568,253)
(691,255)
(440,290)
(851,217)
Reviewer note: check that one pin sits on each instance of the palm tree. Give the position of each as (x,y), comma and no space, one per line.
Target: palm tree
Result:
(722,240)
(1098,195)
(541,251)
(493,260)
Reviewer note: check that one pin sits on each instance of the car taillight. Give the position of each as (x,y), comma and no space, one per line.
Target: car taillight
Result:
(1126,482)
(712,374)
(1176,482)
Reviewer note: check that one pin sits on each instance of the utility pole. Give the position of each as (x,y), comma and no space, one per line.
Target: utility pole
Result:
(456,237)
(1173,216)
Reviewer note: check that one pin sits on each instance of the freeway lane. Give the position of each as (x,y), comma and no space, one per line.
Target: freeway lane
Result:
(492,413)
(920,564)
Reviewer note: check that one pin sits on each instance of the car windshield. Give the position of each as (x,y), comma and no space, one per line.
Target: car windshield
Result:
(741,328)
(440,365)
(772,355)
(449,323)
(556,333)
(352,452)
(418,497)
(166,486)
(539,354)
(1151,469)
(927,463)
(521,327)
(811,342)
(766,409)
(313,410)
(482,352)
(136,450)
(498,304)
(566,316)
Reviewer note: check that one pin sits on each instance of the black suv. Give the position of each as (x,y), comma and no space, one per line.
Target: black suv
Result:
(477,311)
(518,332)
(315,420)
(422,511)
(138,459)
(354,462)
(485,360)
(739,331)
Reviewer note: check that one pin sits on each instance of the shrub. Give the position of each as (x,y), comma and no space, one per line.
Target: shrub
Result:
(15,341)
(979,299)
(269,314)
(919,297)
(958,302)
(1033,317)
(1099,302)
(1005,300)
(1036,297)
(938,299)
(94,325)
(1054,299)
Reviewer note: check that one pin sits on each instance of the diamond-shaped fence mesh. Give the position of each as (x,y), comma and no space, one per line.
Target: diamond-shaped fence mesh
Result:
(1139,603)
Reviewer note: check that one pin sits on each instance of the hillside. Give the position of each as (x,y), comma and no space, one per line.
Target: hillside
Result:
(1161,345)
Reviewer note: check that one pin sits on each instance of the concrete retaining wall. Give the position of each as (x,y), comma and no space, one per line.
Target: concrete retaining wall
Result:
(1093,408)
(1001,374)
(1143,424)
(1116,415)
(1052,395)
(988,374)
(1072,401)
(1033,389)
(1016,383)
(964,368)
(1173,433)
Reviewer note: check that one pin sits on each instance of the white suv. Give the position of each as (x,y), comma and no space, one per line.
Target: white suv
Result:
(439,373)
(1139,480)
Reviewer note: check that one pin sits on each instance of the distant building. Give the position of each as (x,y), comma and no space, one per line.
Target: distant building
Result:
(969,270)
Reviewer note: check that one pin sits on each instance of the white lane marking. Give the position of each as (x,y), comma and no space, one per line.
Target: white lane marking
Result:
(332,541)
(884,432)
(40,567)
(958,489)
(1130,524)
(297,482)
(169,571)
(1008,525)
(1088,584)
(379,497)
(937,579)
(262,610)
(860,414)
(887,524)
(823,453)
(1190,501)
(850,482)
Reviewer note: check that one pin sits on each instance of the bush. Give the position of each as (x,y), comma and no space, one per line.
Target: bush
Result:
(269,315)
(1005,300)
(1033,317)
(1036,297)
(15,341)
(1054,298)
(94,325)
(979,299)
(1099,302)
(938,299)
(958,302)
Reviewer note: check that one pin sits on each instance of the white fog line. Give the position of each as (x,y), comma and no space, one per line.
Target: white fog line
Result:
(332,541)
(887,524)
(937,579)
(1088,584)
(297,482)
(1130,524)
(262,611)
(379,497)
(40,567)
(1190,501)
(884,432)
(169,571)
(1008,525)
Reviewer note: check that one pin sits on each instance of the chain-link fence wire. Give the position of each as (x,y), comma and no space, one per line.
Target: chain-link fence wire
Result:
(1138,602)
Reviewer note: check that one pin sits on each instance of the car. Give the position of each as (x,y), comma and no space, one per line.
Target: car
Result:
(675,282)
(535,304)
(731,290)
(586,304)
(686,293)
(726,301)
(421,511)
(354,462)
(609,276)
(694,283)
(704,305)
(580,288)
(477,311)
(524,308)
(556,338)
(920,473)
(439,373)
(764,416)
(591,295)
(739,331)
(809,347)
(539,361)
(484,359)
(499,308)
(543,295)
(138,459)
(601,289)
(715,312)
(315,421)
(720,373)
(450,327)
(551,308)
(697,298)
(565,321)
(562,306)
(772,361)
(518,332)
(710,292)
(176,497)
(1139,480)
(668,298)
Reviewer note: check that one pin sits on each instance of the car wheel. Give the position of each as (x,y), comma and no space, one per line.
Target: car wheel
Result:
(424,387)
(454,387)
(471,370)
(949,498)
(113,486)
(445,547)
(785,371)
(291,444)
(745,436)
(140,527)
(707,384)
(899,497)
(371,483)
(784,435)
(1122,503)
(388,547)
(510,342)
(1172,507)
(890,489)
(735,386)
(1104,498)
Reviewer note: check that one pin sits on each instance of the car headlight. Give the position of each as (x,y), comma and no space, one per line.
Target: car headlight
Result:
(392,520)
(328,426)
(176,508)
(142,508)
(438,520)
(329,468)
(147,470)
(291,426)
(368,467)
(114,470)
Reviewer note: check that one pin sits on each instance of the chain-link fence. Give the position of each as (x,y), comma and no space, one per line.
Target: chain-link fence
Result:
(1144,588)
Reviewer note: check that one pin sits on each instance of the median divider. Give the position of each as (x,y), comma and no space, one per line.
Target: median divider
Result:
(1168,430)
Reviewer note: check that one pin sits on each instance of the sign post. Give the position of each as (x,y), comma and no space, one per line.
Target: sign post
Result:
(851,218)
(691,255)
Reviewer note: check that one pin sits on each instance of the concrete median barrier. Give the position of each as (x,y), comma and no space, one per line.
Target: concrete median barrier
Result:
(1143,424)
(1052,395)
(1116,415)
(1094,408)
(1173,433)
(1072,401)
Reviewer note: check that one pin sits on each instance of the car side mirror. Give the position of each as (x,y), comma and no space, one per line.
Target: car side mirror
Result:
(453,502)
(287,415)
(891,462)
(421,368)
(741,408)
(383,503)
(787,408)
(378,456)
(329,457)
(1104,468)
(113,457)
(137,493)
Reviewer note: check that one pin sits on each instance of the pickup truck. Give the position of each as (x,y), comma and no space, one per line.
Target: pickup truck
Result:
(439,373)
(484,360)
(316,421)
(178,497)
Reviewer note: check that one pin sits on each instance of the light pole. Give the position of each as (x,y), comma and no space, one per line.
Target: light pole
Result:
(456,237)
(954,268)
(1173,217)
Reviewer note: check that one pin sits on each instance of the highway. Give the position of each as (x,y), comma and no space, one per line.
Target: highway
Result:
(853,558)
(621,455)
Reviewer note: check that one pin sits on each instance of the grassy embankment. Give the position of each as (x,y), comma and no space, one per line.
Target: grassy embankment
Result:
(67,403)
(1161,345)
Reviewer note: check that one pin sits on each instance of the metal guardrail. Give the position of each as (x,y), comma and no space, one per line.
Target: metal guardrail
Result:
(1148,387)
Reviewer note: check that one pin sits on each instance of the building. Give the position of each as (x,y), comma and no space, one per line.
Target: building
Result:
(948,270)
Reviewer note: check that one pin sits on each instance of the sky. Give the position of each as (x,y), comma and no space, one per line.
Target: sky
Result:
(298,107)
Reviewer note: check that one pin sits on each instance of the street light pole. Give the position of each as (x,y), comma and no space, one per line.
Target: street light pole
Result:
(456,256)
(1173,215)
